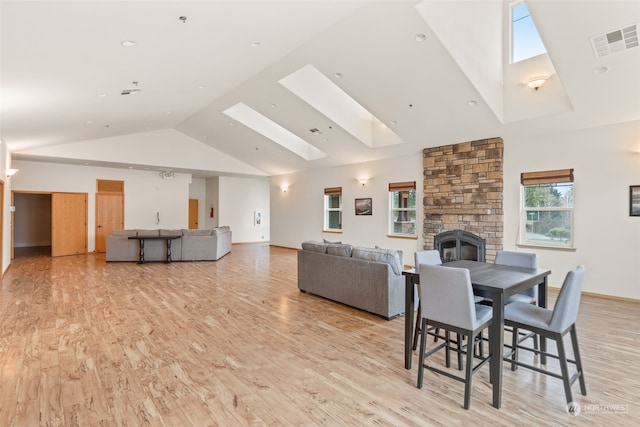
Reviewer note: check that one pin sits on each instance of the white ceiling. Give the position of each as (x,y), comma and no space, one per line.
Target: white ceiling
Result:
(58,56)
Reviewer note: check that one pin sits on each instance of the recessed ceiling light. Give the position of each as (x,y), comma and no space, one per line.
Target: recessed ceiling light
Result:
(102,95)
(337,75)
(421,37)
(128,43)
(472,103)
(201,86)
(255,44)
(394,122)
(168,112)
(274,106)
(89,122)
(600,70)
(231,124)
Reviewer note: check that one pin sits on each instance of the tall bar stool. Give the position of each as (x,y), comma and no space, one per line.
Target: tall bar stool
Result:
(553,324)
(529,296)
(450,305)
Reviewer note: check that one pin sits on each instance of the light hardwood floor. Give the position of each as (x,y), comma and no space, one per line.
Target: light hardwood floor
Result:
(234,342)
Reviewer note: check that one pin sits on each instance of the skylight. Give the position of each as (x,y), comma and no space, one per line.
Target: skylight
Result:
(270,129)
(525,40)
(321,93)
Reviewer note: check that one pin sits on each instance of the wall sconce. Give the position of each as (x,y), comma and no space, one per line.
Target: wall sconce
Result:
(167,175)
(536,82)
(363,181)
(284,188)
(11,172)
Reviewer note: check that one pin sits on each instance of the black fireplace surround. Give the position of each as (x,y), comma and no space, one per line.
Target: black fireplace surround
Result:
(459,245)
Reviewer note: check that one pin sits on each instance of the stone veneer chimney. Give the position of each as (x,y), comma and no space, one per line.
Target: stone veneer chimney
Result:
(463,191)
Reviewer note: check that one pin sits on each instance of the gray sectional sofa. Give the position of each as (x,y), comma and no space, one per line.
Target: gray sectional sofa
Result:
(366,278)
(194,245)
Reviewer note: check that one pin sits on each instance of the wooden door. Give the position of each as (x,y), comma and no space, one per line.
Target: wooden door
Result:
(109,215)
(193,214)
(68,224)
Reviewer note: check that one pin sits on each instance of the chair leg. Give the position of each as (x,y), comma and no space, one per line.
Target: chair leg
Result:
(447,349)
(459,347)
(423,343)
(576,356)
(469,371)
(514,348)
(562,358)
(416,333)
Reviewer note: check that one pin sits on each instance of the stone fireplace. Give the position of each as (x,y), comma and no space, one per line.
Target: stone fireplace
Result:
(462,187)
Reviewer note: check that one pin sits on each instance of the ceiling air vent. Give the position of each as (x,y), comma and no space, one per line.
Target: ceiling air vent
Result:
(615,41)
(130,91)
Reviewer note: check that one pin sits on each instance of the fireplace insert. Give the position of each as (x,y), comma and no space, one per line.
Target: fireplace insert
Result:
(459,244)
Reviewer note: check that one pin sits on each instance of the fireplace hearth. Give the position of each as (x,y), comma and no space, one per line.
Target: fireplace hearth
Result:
(460,245)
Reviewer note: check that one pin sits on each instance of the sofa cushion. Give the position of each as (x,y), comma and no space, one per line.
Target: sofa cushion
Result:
(144,233)
(314,246)
(164,232)
(124,232)
(339,249)
(203,232)
(400,256)
(387,256)
(328,242)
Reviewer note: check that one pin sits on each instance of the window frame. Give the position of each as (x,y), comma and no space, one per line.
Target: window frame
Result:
(399,187)
(328,193)
(535,179)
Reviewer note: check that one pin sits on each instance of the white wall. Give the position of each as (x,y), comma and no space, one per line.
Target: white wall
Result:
(239,199)
(606,161)
(212,201)
(5,163)
(147,195)
(298,214)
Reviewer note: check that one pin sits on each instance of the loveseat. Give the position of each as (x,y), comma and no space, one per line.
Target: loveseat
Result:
(193,245)
(366,278)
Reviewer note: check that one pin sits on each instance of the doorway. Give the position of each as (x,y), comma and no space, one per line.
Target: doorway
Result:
(193,214)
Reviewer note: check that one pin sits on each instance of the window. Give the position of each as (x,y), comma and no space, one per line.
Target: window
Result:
(333,209)
(547,208)
(402,209)
(525,40)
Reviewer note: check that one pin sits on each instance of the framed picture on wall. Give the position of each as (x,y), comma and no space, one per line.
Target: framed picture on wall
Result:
(634,200)
(364,206)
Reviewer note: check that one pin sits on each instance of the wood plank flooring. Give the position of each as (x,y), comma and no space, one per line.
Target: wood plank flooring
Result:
(233,342)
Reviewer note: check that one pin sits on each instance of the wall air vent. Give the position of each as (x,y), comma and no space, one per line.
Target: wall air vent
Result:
(615,41)
(130,91)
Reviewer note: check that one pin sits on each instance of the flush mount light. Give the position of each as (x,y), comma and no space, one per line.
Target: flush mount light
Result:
(255,44)
(600,70)
(337,75)
(421,37)
(536,82)
(102,95)
(394,122)
(128,43)
(472,103)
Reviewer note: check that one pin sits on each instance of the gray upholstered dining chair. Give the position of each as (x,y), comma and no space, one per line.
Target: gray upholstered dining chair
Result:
(553,324)
(451,306)
(529,296)
(430,257)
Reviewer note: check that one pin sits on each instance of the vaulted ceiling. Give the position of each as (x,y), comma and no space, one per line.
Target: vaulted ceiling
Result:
(431,72)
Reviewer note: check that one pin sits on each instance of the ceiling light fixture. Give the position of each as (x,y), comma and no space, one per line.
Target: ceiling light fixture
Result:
(600,70)
(128,43)
(536,82)
(421,37)
(255,44)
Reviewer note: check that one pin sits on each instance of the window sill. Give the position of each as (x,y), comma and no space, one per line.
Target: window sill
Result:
(332,231)
(401,236)
(536,246)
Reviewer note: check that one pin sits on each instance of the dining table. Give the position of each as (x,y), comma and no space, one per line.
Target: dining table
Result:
(495,283)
